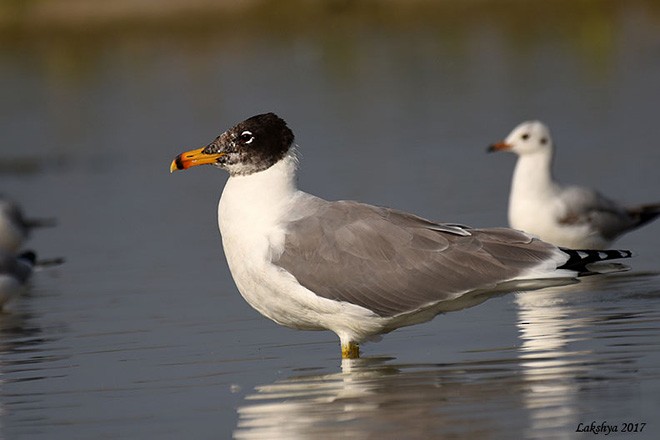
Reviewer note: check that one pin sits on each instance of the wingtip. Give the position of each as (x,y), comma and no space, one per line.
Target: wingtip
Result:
(626,254)
(579,259)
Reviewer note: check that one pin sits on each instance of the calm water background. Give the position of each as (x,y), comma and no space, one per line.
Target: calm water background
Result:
(142,333)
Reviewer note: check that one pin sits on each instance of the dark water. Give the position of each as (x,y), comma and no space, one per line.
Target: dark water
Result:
(142,333)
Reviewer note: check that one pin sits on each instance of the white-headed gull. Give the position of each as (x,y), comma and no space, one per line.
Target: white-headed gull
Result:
(570,216)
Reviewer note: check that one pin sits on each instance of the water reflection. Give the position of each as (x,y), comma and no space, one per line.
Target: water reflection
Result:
(373,398)
(16,335)
(560,352)
(394,106)
(536,390)
(22,347)
(546,324)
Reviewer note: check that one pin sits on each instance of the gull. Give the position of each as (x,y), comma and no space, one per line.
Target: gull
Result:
(14,226)
(355,269)
(570,216)
(14,274)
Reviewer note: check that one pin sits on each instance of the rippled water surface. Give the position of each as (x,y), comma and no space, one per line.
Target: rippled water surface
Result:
(141,333)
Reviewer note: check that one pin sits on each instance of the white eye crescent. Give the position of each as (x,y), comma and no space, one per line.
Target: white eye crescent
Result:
(247,137)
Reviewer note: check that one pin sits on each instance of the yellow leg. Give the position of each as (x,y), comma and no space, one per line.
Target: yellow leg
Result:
(350,350)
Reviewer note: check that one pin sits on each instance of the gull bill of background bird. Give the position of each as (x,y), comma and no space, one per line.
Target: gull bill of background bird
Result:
(570,216)
(14,226)
(352,268)
(15,272)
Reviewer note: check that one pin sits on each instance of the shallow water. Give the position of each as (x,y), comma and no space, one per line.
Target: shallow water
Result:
(142,333)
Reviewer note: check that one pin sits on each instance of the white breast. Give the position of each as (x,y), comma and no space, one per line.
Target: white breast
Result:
(536,205)
(252,213)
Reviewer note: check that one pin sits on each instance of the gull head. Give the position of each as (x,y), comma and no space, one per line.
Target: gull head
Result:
(527,138)
(248,147)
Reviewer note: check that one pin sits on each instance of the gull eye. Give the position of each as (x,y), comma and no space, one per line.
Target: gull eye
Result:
(246,137)
(525,136)
(544,141)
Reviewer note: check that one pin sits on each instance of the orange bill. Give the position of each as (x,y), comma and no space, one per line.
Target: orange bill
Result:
(499,146)
(193,158)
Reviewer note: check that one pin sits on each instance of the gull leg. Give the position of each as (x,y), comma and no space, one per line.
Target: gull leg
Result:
(350,350)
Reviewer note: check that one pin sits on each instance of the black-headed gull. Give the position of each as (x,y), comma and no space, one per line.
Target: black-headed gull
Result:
(352,268)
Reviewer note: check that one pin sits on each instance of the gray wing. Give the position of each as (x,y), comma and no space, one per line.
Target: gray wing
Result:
(586,206)
(392,262)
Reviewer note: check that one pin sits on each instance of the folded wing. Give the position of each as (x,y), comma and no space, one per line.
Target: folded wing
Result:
(392,262)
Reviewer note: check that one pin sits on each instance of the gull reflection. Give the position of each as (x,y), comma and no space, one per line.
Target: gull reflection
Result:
(311,406)
(557,352)
(534,390)
(371,398)
(545,324)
